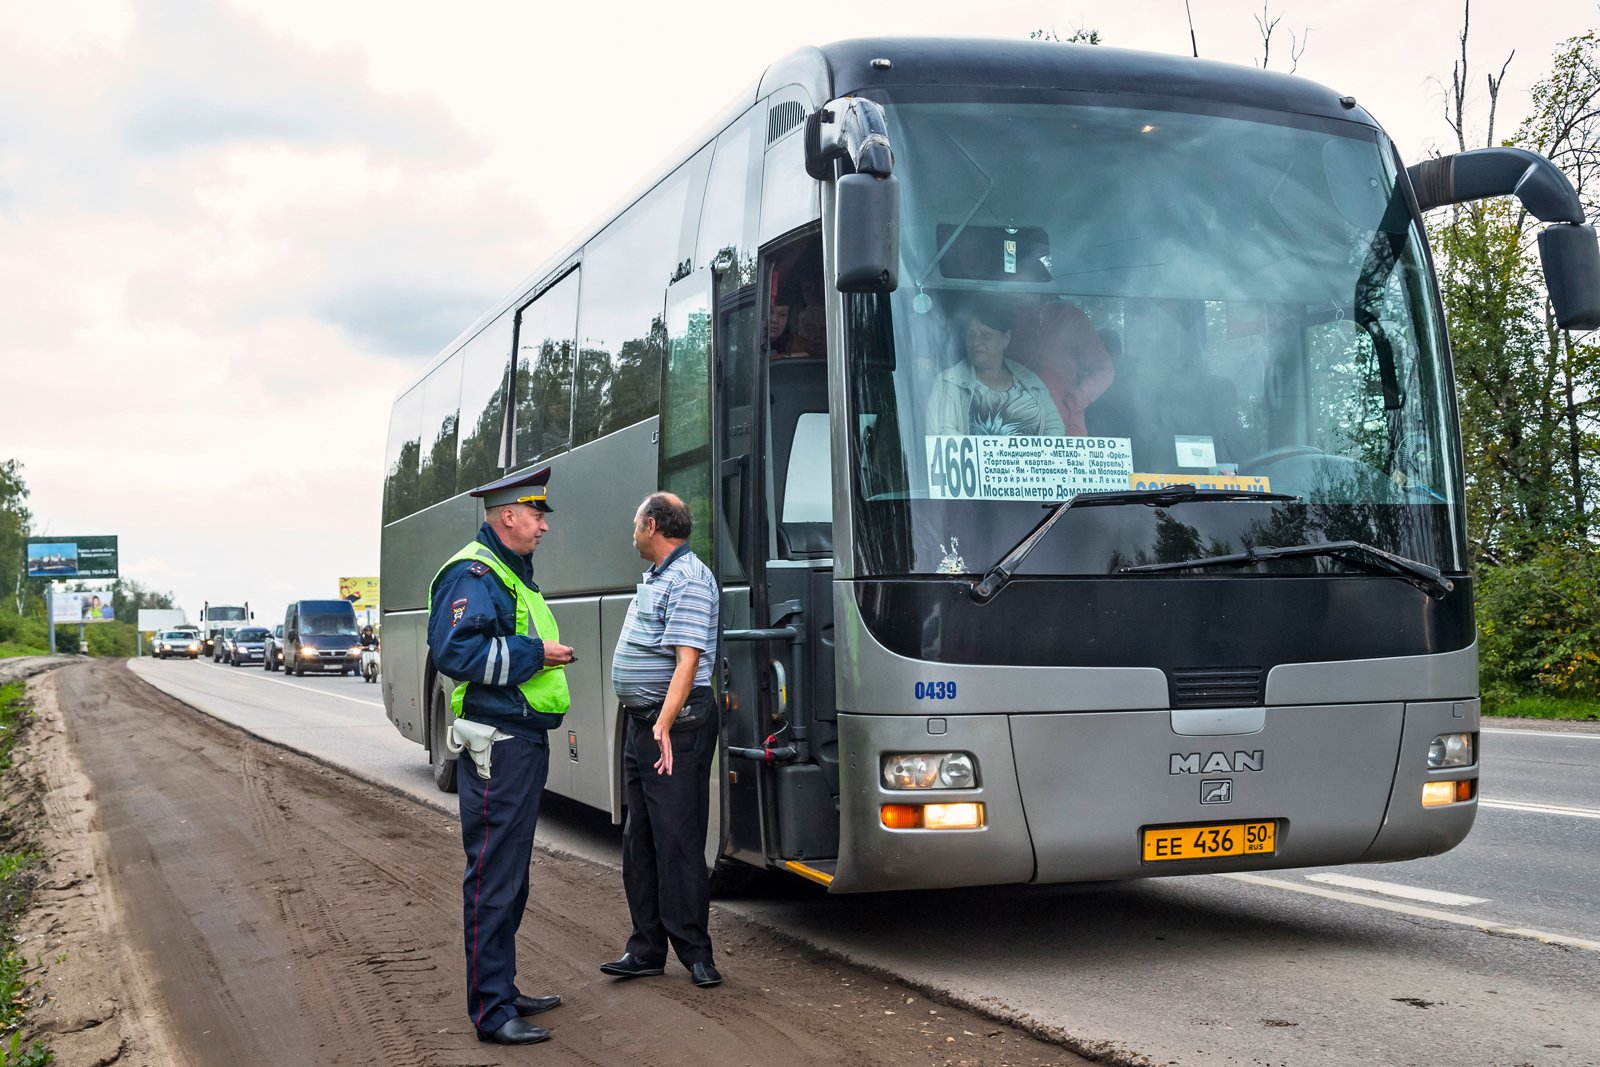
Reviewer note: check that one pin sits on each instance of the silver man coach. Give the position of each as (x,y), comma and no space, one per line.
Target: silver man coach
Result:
(489,629)
(662,676)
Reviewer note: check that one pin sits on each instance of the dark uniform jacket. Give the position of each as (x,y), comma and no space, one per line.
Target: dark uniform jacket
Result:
(471,608)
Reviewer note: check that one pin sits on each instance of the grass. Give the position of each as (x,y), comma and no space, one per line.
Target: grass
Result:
(16,883)
(1544,707)
(8,648)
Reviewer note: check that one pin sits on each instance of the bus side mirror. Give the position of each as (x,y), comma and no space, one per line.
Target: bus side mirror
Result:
(867,233)
(1571,258)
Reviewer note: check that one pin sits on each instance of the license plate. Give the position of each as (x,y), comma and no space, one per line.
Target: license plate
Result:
(1210,842)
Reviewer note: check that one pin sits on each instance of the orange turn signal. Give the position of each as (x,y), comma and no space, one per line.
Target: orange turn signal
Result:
(902,816)
(1437,793)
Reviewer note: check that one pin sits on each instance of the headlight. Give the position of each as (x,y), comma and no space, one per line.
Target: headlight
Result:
(194,648)
(162,646)
(929,770)
(306,650)
(355,650)
(1450,750)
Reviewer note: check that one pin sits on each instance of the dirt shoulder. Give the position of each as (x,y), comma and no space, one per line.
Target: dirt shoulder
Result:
(280,911)
(86,998)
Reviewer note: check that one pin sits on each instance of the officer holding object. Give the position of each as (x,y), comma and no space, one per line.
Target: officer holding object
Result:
(490,631)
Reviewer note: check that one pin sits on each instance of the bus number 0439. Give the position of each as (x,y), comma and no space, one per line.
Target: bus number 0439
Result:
(936,690)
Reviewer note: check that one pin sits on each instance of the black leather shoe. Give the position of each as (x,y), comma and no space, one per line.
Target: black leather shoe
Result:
(705,976)
(516,1031)
(534,1005)
(631,966)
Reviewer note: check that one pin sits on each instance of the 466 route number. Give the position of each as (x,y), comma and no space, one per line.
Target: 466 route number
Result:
(955,466)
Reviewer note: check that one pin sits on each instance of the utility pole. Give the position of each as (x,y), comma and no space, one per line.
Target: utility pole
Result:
(50,611)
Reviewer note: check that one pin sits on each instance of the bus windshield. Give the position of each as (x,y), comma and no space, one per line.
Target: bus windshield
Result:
(1103,298)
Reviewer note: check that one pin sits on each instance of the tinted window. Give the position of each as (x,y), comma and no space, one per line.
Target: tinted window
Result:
(727,223)
(622,334)
(686,422)
(225,614)
(327,624)
(484,362)
(176,635)
(545,331)
(252,635)
(441,401)
(400,459)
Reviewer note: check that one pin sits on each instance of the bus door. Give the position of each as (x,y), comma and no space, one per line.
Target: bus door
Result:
(787,536)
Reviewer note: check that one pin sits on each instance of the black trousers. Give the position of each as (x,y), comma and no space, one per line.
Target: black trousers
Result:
(664,842)
(497,823)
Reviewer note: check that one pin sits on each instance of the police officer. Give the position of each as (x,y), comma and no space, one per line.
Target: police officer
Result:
(489,628)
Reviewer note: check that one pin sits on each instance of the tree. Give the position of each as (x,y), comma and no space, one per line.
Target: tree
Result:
(15,523)
(1077,36)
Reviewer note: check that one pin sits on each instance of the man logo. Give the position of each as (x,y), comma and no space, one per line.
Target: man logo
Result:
(1216,791)
(1216,763)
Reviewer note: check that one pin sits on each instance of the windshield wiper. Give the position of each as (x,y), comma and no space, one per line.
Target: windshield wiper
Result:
(1426,578)
(998,575)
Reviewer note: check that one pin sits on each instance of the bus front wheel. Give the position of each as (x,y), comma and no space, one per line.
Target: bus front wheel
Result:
(444,764)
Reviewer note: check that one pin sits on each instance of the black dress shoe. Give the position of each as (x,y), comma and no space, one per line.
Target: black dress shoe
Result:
(516,1031)
(631,966)
(534,1005)
(705,976)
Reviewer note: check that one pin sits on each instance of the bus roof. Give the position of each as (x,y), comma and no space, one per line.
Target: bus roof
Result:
(845,67)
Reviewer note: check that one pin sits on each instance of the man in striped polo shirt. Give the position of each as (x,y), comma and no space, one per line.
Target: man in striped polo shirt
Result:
(662,676)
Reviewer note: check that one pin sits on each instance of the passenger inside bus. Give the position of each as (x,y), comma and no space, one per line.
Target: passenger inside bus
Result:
(796,315)
(985,392)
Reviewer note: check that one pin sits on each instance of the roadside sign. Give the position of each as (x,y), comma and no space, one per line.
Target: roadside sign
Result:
(72,557)
(87,606)
(361,592)
(153,619)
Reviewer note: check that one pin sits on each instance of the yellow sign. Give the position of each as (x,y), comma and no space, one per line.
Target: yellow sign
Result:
(363,590)
(1245,483)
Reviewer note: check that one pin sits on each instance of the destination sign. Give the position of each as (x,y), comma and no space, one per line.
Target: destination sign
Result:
(1025,467)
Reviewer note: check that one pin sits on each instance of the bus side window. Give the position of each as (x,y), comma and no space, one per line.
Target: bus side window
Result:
(621,325)
(441,408)
(545,345)
(483,404)
(401,457)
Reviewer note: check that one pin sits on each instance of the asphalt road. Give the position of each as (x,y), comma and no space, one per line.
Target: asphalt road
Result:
(1426,962)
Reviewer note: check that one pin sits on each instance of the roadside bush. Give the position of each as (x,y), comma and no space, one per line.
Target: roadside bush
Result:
(17,880)
(1538,621)
(21,635)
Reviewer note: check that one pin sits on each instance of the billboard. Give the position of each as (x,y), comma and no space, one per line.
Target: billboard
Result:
(90,605)
(361,592)
(153,619)
(72,557)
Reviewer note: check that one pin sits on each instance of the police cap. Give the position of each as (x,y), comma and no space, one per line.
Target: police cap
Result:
(530,489)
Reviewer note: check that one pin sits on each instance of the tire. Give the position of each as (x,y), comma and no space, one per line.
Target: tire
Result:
(444,765)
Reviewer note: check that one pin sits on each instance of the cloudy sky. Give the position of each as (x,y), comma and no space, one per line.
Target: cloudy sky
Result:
(229,232)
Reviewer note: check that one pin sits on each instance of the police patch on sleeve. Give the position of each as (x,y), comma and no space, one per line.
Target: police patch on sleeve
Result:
(477,568)
(458,609)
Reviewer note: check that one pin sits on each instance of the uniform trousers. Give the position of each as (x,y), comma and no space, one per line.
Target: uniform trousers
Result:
(497,823)
(664,842)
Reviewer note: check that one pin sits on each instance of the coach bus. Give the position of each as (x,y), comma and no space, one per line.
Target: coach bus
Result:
(1073,434)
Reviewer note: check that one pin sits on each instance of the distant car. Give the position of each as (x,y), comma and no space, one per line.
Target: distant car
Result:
(248,645)
(222,643)
(177,643)
(272,651)
(321,636)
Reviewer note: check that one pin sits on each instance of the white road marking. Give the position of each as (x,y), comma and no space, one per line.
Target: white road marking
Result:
(1542,733)
(1546,809)
(1394,889)
(307,688)
(1412,909)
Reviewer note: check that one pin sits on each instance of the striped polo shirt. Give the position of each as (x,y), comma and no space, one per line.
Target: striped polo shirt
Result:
(676,604)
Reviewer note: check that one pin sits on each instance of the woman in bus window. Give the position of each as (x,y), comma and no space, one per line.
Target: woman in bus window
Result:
(986,393)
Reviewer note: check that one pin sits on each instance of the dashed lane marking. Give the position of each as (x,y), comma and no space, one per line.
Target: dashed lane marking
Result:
(307,688)
(1544,809)
(1395,889)
(1412,909)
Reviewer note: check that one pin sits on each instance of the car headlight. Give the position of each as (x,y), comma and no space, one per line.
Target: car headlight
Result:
(1450,750)
(306,650)
(355,650)
(930,770)
(194,648)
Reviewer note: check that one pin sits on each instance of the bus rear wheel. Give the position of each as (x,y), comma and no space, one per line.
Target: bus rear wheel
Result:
(444,764)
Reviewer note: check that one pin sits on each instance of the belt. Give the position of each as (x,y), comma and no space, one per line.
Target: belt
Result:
(696,709)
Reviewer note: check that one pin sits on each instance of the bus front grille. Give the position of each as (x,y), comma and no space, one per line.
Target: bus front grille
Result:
(1216,687)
